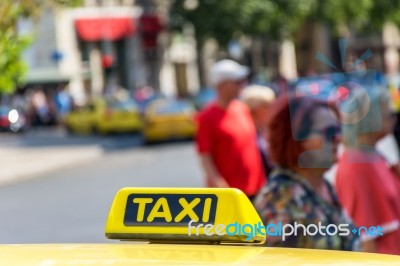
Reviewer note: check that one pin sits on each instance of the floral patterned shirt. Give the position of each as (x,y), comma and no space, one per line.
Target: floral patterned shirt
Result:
(289,199)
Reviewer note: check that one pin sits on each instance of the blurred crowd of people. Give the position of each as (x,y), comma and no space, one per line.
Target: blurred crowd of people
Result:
(278,148)
(42,107)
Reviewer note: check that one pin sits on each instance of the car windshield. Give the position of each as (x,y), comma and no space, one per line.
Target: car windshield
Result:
(173,107)
(122,105)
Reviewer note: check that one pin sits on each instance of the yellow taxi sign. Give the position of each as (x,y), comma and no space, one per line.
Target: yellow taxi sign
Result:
(183,214)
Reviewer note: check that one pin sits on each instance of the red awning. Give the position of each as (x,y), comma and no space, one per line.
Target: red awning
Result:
(112,29)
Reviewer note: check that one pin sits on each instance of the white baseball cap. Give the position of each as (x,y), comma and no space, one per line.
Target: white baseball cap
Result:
(227,70)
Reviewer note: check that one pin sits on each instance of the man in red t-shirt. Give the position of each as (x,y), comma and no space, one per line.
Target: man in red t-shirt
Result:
(226,138)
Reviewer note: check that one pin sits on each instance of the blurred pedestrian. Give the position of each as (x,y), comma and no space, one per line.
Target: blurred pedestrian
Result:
(226,137)
(63,102)
(41,108)
(366,186)
(303,137)
(259,100)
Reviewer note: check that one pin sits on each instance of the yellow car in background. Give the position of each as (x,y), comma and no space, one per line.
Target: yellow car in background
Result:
(167,119)
(104,116)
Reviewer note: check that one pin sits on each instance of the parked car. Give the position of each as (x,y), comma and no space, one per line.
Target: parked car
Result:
(105,115)
(12,120)
(169,119)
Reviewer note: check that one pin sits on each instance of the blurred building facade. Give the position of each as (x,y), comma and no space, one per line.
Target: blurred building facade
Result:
(95,49)
(314,38)
(108,44)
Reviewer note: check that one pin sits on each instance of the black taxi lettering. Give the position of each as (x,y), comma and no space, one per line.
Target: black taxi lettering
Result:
(169,209)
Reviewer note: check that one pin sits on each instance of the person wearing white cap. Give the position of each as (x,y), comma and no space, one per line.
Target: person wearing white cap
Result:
(259,99)
(226,138)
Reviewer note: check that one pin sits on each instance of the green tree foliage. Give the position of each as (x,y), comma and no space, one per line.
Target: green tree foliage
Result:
(340,14)
(211,18)
(280,18)
(12,44)
(385,10)
(226,19)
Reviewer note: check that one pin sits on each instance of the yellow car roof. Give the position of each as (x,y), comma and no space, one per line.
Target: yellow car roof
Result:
(176,254)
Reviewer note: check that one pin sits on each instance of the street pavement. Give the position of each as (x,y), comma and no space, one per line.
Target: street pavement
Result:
(45,150)
(70,204)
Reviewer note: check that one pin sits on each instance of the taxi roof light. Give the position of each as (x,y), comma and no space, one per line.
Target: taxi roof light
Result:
(164,215)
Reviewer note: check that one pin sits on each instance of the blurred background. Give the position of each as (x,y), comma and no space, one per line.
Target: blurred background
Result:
(96,95)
